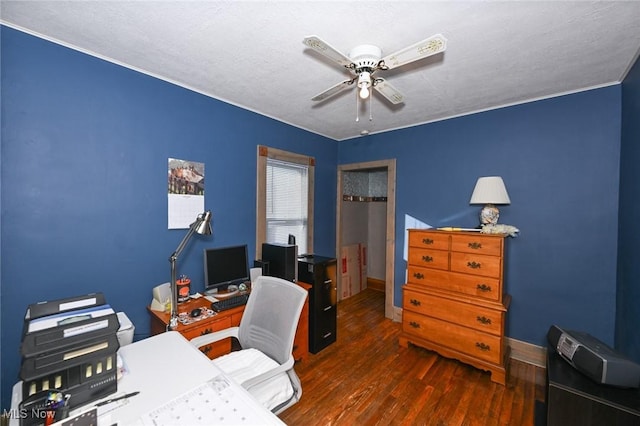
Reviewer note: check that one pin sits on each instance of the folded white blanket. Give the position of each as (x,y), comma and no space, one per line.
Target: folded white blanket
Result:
(247,364)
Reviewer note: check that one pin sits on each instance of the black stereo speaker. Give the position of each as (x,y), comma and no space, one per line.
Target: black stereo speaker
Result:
(594,358)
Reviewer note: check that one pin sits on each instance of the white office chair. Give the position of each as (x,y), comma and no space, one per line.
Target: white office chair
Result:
(264,365)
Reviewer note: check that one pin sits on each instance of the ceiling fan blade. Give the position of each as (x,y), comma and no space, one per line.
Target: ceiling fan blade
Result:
(388,91)
(320,46)
(333,90)
(422,49)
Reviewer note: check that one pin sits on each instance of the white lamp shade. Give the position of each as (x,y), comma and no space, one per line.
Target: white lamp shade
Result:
(490,190)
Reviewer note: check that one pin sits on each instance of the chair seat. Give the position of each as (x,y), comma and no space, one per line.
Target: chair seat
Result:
(248,363)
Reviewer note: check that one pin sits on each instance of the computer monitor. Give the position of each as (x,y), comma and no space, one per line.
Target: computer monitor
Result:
(225,266)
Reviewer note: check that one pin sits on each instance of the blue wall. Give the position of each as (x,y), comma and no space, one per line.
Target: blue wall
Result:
(85,145)
(84,156)
(628,306)
(559,160)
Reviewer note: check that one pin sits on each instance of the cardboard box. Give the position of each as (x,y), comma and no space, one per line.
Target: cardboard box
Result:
(363,258)
(353,270)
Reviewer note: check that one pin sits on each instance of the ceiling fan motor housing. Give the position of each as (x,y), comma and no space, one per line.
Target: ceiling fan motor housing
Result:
(365,56)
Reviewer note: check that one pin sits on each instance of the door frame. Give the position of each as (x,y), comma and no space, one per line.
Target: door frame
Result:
(390,166)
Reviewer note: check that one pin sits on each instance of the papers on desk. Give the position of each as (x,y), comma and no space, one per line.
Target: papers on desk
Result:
(212,403)
(71,317)
(211,298)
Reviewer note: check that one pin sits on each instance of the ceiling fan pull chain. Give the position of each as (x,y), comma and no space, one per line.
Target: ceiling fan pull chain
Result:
(357,107)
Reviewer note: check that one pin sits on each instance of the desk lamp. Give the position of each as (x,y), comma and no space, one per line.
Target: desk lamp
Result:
(201,226)
(489,190)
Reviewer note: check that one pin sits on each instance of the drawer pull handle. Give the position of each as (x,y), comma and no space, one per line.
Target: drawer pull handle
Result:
(483,287)
(483,346)
(427,258)
(427,241)
(206,331)
(475,246)
(418,275)
(415,302)
(205,350)
(327,335)
(327,308)
(474,265)
(484,320)
(414,324)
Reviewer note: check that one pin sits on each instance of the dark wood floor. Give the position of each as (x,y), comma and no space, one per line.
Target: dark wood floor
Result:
(365,378)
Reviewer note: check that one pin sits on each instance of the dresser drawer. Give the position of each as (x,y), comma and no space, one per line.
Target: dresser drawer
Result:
(477,264)
(429,258)
(481,244)
(477,317)
(428,239)
(471,285)
(462,339)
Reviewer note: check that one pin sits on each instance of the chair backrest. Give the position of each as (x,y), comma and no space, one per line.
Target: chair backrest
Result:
(271,316)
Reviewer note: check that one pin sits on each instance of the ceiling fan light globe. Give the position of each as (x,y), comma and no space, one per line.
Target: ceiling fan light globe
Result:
(364,93)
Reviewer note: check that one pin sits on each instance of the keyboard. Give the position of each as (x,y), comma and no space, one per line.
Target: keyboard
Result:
(231,302)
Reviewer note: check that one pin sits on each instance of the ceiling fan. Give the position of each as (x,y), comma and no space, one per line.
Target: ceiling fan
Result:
(365,60)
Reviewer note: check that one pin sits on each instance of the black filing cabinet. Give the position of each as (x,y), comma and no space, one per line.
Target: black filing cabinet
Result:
(320,272)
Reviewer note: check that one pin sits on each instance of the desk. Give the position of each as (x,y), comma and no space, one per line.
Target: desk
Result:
(162,368)
(203,325)
(223,320)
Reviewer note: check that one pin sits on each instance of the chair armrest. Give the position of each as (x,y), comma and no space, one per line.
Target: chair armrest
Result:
(207,339)
(283,368)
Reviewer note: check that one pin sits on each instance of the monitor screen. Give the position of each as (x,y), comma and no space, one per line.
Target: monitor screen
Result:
(225,266)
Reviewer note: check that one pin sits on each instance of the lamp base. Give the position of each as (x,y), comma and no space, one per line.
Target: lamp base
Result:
(489,215)
(173,323)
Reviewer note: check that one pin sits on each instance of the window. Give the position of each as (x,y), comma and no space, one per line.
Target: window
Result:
(284,199)
(286,210)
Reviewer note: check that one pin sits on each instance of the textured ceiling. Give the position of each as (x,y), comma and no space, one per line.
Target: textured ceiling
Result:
(250,53)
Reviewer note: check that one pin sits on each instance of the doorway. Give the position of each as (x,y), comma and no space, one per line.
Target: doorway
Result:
(379,187)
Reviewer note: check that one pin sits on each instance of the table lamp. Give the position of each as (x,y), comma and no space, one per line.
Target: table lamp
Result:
(489,190)
(201,226)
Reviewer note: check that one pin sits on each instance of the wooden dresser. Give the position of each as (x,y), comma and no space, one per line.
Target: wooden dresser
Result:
(454,301)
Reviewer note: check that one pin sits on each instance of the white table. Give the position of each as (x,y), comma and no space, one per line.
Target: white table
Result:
(164,368)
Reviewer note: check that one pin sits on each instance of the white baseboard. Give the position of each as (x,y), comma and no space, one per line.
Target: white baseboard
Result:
(397,314)
(527,352)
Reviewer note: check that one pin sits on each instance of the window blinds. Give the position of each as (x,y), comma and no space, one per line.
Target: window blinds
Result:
(287,202)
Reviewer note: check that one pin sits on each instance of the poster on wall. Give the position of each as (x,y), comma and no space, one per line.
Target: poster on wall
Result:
(185,192)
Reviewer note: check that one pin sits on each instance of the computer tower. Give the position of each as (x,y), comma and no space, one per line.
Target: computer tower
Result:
(283,260)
